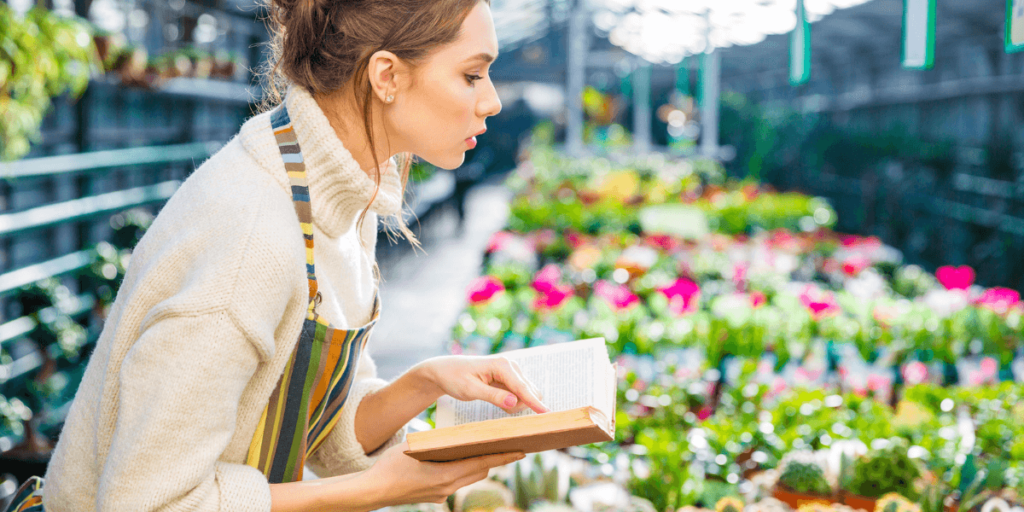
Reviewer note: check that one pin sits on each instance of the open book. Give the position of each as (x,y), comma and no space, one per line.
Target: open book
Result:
(578,385)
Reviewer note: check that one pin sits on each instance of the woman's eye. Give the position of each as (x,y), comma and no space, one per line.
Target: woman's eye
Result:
(473,78)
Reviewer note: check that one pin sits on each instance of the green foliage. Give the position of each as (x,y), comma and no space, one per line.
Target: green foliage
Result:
(41,56)
(885,470)
(805,477)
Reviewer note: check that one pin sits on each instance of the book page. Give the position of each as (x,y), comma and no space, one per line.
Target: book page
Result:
(568,375)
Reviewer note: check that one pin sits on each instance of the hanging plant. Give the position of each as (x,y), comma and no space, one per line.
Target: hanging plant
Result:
(42,55)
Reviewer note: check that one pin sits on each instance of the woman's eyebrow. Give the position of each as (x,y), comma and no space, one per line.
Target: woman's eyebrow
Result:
(484,57)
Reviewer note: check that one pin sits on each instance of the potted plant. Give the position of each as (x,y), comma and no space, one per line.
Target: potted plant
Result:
(801,483)
(881,471)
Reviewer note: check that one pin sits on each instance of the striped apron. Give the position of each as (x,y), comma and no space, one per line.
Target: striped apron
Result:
(308,399)
(310,395)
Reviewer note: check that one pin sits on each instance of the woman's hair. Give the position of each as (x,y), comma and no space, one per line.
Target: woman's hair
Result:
(322,44)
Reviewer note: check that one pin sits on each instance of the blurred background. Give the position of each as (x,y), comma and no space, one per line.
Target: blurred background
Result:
(784,216)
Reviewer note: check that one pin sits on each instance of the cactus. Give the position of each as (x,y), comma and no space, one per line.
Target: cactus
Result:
(806,478)
(539,484)
(729,504)
(816,507)
(486,495)
(883,471)
(894,502)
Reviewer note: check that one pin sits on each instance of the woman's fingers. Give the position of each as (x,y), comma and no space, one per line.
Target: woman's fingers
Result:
(521,391)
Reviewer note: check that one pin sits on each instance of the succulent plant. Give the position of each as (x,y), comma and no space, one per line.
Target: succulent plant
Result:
(538,484)
(805,477)
(816,507)
(894,502)
(883,471)
(729,504)
(486,495)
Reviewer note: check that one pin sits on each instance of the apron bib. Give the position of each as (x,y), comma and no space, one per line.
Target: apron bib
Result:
(310,396)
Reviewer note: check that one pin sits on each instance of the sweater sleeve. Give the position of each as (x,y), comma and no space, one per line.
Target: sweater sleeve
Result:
(341,452)
(179,389)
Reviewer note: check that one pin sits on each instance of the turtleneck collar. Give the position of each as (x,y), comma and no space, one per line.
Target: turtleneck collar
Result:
(339,189)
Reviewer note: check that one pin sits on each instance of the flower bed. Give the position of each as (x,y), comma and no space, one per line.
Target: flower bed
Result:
(749,335)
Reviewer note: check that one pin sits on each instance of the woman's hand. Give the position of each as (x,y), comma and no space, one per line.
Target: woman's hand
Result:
(400,479)
(493,379)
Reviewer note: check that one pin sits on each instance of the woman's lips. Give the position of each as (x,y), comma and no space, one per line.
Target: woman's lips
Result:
(471,142)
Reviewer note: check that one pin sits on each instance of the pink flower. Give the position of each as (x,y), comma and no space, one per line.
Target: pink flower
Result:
(819,303)
(915,372)
(704,413)
(854,264)
(554,297)
(575,239)
(683,296)
(543,238)
(877,382)
(998,299)
(757,299)
(851,241)
(663,242)
(739,274)
(989,368)
(483,289)
(547,277)
(617,295)
(955,278)
(498,241)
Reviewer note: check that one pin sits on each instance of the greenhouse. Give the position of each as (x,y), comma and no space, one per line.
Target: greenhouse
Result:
(691,255)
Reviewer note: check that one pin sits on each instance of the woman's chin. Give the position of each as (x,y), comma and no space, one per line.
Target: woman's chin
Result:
(449,162)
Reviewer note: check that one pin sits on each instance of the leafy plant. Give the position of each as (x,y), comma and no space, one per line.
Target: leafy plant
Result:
(805,477)
(41,56)
(885,470)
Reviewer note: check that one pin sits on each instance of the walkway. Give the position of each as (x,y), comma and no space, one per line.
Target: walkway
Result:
(423,294)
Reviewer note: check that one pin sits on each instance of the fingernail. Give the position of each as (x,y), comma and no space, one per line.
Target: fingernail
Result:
(510,401)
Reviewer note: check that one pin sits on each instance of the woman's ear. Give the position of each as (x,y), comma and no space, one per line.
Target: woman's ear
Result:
(385,71)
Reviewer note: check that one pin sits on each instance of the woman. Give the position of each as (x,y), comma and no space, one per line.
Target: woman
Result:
(234,355)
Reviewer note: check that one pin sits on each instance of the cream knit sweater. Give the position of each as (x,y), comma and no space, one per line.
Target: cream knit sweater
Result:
(206,320)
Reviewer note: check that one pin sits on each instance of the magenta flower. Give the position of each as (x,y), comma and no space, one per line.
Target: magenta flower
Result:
(855,264)
(819,303)
(483,289)
(683,296)
(554,297)
(547,277)
(999,299)
(757,299)
(955,278)
(617,295)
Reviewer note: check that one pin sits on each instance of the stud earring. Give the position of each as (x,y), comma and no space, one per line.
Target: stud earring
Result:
(390,98)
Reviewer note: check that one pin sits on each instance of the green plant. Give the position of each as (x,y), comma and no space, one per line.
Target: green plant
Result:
(805,477)
(41,56)
(536,484)
(486,495)
(885,470)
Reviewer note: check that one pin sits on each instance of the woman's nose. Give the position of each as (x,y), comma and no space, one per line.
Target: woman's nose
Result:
(490,105)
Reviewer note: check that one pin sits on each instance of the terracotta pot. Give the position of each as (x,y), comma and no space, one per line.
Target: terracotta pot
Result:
(795,499)
(857,501)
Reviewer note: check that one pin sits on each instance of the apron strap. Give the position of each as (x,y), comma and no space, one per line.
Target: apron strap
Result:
(296,169)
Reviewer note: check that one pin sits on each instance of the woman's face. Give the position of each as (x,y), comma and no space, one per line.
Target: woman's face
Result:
(450,97)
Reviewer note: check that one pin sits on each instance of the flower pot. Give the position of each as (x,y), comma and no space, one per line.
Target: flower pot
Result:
(857,501)
(796,499)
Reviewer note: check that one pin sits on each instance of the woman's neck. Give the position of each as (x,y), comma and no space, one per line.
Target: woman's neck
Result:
(346,118)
